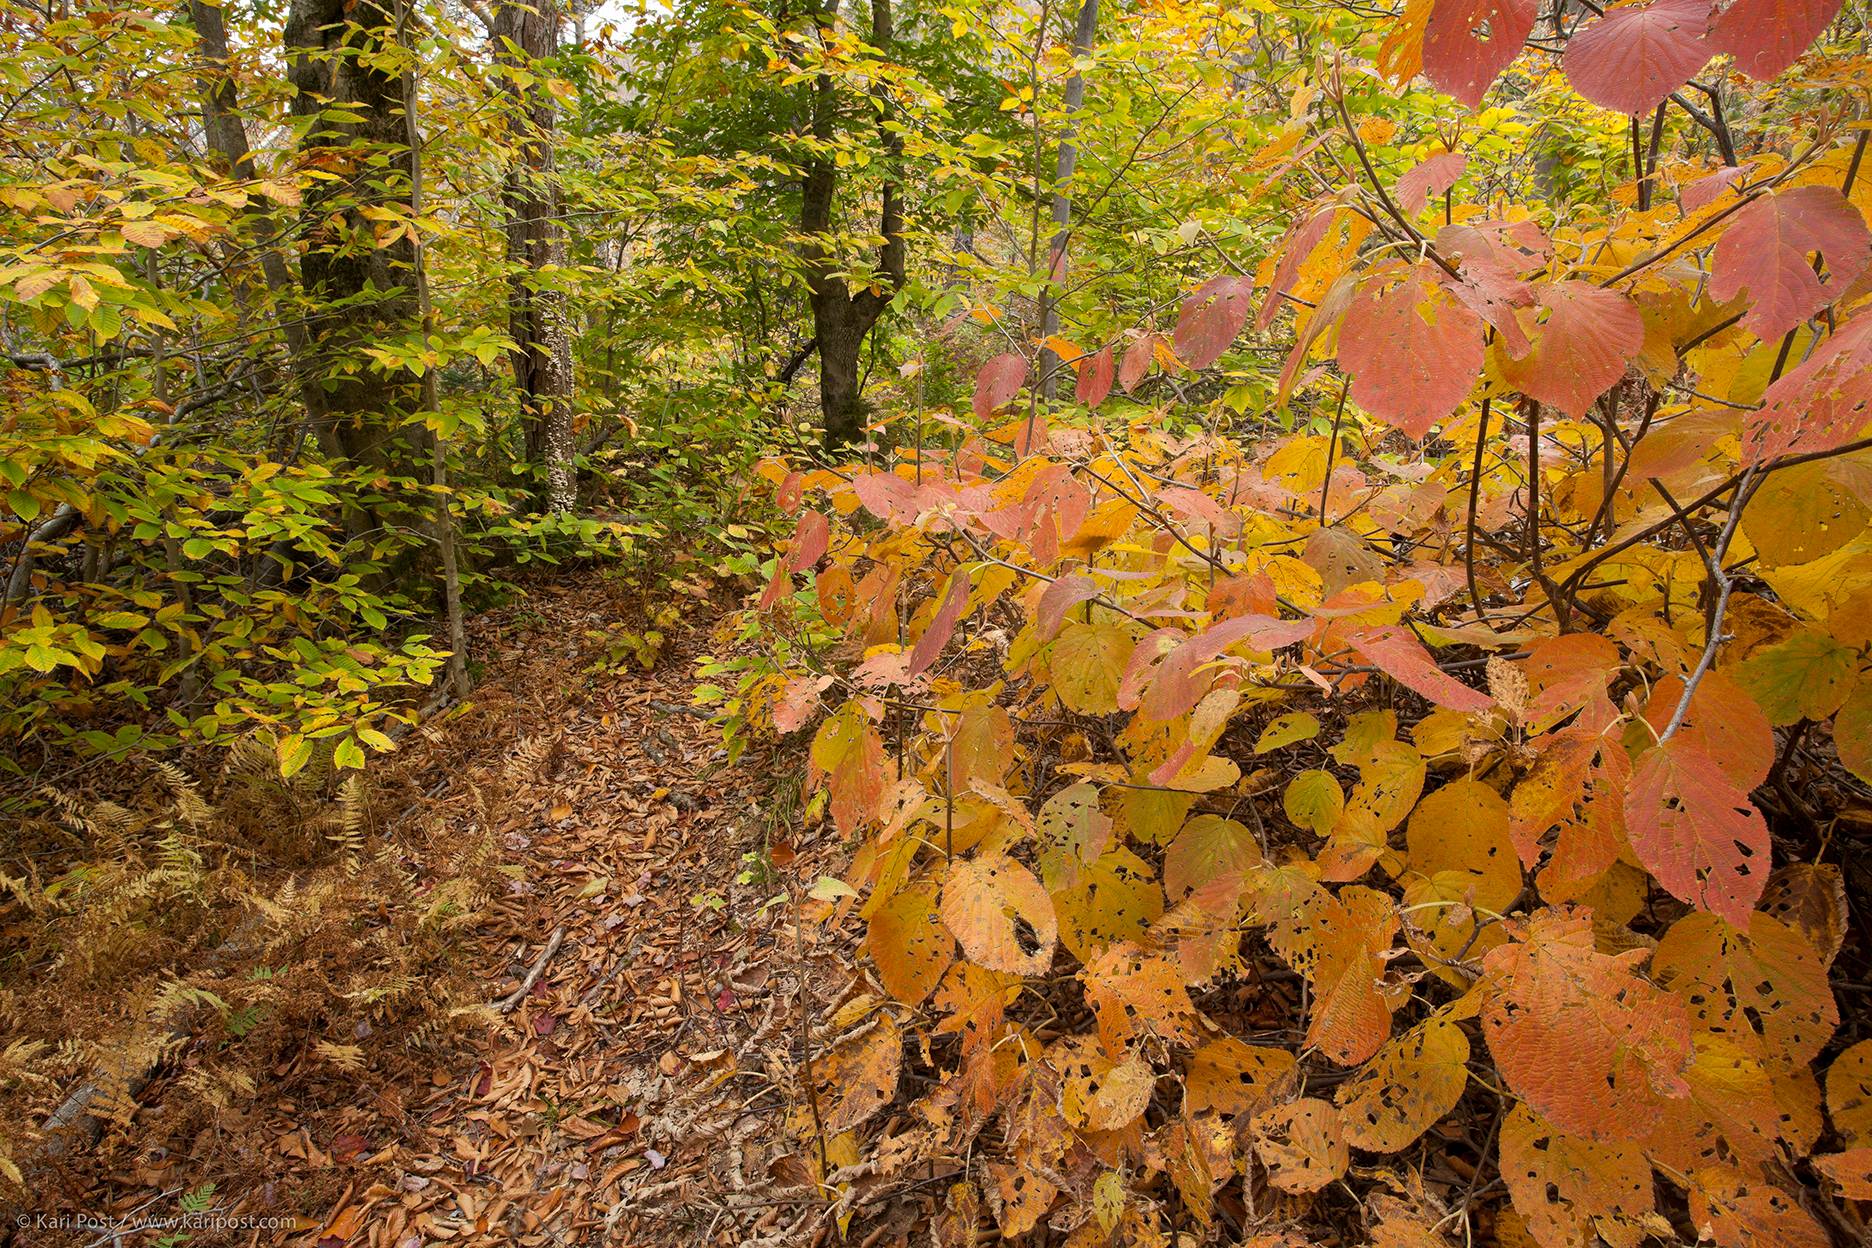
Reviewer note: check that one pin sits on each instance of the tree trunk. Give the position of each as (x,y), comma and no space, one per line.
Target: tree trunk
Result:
(361,290)
(538,317)
(227,141)
(842,318)
(841,340)
(1067,161)
(425,311)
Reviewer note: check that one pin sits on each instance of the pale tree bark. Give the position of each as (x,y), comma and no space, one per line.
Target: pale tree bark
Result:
(538,317)
(444,521)
(227,142)
(1065,163)
(843,318)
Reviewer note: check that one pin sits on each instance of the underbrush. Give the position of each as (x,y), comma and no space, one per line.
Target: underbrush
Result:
(232,936)
(1227,873)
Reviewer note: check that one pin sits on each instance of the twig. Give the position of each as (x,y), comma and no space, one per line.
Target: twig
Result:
(506,1004)
(1475,488)
(1745,490)
(1331,447)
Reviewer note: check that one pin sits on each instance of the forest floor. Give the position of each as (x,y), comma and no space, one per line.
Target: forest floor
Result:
(638,1091)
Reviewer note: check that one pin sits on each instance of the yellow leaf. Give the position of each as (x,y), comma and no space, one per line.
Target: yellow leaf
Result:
(1302,1144)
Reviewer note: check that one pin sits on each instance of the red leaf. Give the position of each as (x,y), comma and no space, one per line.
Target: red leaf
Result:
(942,626)
(1397,653)
(1703,192)
(792,487)
(1467,43)
(1631,59)
(998,381)
(1173,687)
(1137,362)
(1294,250)
(1211,318)
(1568,673)
(1409,370)
(1578,1034)
(778,586)
(887,496)
(1196,505)
(1765,251)
(1433,177)
(1696,832)
(1582,348)
(1095,378)
(810,537)
(1060,597)
(1493,294)
(1723,722)
(1517,247)
(1767,36)
(1819,405)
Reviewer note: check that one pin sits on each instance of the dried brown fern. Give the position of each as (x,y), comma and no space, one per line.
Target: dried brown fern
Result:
(256,923)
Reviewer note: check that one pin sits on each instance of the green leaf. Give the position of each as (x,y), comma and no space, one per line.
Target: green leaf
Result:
(294,752)
(1805,677)
(376,740)
(119,619)
(1314,800)
(24,505)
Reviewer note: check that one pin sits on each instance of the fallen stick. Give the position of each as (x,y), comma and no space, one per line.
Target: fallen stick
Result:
(506,1004)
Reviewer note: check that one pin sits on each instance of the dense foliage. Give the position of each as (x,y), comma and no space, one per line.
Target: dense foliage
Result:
(1329,584)
(1451,599)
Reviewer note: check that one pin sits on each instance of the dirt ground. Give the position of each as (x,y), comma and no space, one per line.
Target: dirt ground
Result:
(649,994)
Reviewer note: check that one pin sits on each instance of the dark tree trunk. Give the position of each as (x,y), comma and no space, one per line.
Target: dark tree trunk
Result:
(362,291)
(537,314)
(843,318)
(841,339)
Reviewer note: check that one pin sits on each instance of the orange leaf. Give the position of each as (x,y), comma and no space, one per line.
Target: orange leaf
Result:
(1578,1034)
(986,901)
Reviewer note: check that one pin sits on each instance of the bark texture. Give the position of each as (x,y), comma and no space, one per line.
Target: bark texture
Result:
(227,143)
(538,317)
(842,317)
(362,290)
